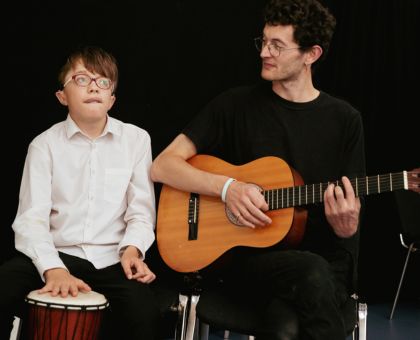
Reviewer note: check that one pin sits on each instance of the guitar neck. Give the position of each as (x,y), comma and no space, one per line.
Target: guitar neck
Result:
(314,193)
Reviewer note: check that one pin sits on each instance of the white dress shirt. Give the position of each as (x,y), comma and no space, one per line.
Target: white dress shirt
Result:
(83,197)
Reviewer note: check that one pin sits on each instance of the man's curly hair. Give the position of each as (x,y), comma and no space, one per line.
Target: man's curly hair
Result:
(313,23)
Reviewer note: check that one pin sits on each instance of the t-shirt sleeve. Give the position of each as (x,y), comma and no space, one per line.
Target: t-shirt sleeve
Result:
(355,164)
(207,129)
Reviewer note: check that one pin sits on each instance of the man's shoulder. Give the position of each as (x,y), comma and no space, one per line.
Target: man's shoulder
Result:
(339,104)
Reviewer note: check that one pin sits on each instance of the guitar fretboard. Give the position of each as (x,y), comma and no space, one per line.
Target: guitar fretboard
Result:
(314,193)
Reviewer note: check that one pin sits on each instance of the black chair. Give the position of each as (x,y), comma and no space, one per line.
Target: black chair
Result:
(225,311)
(408,205)
(214,306)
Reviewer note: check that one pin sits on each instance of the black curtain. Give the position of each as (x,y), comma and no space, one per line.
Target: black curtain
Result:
(176,55)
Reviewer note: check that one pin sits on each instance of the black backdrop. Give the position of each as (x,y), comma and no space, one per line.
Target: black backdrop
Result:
(176,55)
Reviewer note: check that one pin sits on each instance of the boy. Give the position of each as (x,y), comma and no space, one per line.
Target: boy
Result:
(86,206)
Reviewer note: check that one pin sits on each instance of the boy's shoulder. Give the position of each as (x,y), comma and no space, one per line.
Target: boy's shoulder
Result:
(51,132)
(127,128)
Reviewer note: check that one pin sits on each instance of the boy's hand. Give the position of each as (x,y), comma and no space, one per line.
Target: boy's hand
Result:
(58,281)
(134,267)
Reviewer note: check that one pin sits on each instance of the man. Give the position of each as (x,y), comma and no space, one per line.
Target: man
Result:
(86,210)
(316,134)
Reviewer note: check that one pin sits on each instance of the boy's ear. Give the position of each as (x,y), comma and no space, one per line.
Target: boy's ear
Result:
(113,98)
(61,96)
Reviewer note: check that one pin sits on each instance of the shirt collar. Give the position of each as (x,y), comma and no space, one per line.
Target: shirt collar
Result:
(110,127)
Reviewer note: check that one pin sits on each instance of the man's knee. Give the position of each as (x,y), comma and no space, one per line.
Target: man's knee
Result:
(316,278)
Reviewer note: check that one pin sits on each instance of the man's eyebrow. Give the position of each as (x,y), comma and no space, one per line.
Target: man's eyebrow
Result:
(277,40)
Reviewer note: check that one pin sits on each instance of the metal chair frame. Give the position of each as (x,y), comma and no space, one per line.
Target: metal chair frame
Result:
(202,331)
(411,249)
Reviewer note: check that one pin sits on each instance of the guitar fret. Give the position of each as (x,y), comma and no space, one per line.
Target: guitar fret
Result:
(284,198)
(390,180)
(273,197)
(313,193)
(299,196)
(367,185)
(320,190)
(302,195)
(293,197)
(357,188)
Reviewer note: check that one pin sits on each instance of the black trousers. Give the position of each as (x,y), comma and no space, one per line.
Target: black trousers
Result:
(298,293)
(133,312)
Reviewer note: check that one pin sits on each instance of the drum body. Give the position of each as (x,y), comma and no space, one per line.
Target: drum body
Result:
(57,318)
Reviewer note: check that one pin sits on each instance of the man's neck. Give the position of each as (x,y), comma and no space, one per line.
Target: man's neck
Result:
(299,90)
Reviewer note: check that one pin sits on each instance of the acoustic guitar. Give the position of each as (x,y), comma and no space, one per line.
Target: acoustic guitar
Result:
(194,230)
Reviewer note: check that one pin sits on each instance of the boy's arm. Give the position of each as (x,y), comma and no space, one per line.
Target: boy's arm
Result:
(140,215)
(32,225)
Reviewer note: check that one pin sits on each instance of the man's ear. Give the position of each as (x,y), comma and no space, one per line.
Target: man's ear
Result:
(313,54)
(61,96)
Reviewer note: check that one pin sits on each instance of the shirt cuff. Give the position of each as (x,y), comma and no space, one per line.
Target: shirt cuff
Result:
(43,265)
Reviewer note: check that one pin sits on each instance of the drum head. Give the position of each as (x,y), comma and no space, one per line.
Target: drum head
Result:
(87,301)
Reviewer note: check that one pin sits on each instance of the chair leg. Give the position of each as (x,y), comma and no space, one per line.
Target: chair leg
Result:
(181,324)
(362,318)
(410,249)
(191,333)
(17,328)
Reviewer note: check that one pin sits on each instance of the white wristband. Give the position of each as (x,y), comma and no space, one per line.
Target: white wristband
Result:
(225,188)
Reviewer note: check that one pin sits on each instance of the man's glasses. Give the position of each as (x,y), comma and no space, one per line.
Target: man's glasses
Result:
(274,49)
(84,80)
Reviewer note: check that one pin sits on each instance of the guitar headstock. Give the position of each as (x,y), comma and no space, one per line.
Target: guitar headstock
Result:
(413,179)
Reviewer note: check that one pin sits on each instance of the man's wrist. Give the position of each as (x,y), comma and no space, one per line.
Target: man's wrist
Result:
(225,188)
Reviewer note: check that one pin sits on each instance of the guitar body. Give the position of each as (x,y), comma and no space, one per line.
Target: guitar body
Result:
(216,234)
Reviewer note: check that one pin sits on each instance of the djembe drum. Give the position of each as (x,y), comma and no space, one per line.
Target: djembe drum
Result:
(73,317)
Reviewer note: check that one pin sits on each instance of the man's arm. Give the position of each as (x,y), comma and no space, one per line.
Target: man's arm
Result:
(342,209)
(171,167)
(243,200)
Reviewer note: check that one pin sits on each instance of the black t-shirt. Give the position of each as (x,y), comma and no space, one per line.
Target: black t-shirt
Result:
(321,139)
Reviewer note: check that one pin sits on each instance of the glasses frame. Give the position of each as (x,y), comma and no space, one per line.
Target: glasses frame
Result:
(260,43)
(73,77)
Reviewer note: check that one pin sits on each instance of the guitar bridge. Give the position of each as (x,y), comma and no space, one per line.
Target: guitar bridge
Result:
(193,210)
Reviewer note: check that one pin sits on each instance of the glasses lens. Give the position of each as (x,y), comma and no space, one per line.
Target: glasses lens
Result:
(103,83)
(258,43)
(82,79)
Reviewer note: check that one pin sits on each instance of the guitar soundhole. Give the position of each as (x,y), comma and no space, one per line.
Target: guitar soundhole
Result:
(232,218)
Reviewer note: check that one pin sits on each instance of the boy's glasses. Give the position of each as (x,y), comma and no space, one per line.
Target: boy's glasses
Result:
(84,80)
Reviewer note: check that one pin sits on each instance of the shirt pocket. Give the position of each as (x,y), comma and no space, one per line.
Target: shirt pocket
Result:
(116,183)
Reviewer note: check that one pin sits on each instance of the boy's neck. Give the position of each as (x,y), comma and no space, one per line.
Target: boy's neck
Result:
(92,129)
